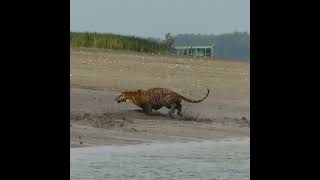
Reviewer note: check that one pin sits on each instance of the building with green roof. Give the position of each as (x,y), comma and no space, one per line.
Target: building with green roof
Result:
(195,51)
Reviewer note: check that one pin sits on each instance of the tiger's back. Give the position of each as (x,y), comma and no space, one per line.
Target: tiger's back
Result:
(159,97)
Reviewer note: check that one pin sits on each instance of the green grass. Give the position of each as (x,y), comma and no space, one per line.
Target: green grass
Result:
(114,41)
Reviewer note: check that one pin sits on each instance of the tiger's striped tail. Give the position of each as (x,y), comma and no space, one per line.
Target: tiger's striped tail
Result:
(194,101)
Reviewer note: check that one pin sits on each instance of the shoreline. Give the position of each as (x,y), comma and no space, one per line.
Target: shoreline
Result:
(92,124)
(220,140)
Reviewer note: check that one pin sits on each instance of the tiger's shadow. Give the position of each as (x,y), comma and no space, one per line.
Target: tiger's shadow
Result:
(153,113)
(159,115)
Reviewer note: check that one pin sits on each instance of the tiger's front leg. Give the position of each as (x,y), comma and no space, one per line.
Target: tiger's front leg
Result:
(147,108)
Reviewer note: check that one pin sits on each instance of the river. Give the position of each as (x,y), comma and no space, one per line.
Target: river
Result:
(207,160)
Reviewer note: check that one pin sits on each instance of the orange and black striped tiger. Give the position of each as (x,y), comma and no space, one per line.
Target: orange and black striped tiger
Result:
(156,98)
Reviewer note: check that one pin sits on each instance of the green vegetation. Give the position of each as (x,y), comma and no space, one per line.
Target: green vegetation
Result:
(226,46)
(114,41)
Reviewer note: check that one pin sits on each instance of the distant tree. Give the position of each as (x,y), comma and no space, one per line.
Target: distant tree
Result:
(169,41)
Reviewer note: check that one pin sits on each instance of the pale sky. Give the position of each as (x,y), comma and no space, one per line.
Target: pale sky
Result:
(154,18)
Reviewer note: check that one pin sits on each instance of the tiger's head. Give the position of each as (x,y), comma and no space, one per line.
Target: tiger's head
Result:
(121,98)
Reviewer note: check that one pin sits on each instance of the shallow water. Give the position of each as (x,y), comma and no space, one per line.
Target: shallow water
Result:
(227,159)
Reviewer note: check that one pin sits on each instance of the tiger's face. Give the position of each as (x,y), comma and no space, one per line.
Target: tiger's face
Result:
(121,98)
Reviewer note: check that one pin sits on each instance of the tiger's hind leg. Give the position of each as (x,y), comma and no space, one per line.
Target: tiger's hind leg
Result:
(179,107)
(172,110)
(147,109)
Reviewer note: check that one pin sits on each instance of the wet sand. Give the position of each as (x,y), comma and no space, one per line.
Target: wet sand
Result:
(97,76)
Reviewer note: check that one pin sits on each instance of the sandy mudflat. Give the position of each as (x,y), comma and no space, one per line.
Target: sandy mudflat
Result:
(97,76)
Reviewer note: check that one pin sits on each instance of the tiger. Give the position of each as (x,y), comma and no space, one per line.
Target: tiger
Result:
(156,98)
